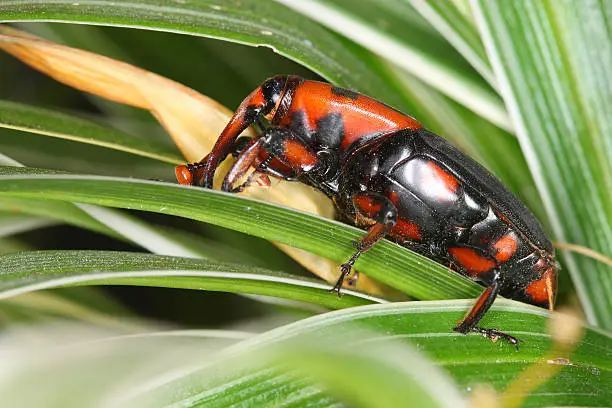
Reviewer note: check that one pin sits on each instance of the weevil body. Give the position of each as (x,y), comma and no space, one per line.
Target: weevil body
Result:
(388,174)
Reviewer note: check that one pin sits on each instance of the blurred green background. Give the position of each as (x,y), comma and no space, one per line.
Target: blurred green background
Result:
(506,81)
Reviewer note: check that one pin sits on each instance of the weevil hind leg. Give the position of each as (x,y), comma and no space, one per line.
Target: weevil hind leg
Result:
(480,308)
(495,334)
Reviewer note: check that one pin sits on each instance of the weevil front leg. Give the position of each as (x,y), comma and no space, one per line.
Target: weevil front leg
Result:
(261,102)
(281,144)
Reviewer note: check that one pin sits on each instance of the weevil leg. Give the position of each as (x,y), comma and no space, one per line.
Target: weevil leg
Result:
(262,169)
(482,305)
(243,162)
(281,144)
(268,166)
(259,102)
(494,335)
(383,212)
(290,150)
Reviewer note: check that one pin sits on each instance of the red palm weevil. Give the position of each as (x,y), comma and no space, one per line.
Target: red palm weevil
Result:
(387,173)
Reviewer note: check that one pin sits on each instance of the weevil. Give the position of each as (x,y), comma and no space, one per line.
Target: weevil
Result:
(388,174)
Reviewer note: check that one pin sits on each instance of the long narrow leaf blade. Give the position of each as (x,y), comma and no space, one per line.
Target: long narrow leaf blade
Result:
(12,224)
(391,264)
(459,29)
(471,360)
(29,271)
(60,359)
(377,375)
(42,121)
(80,365)
(56,210)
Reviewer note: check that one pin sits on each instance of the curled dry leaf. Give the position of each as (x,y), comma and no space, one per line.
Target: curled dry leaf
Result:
(189,117)
(193,120)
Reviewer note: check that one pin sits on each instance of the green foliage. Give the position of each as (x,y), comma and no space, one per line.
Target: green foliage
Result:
(524,86)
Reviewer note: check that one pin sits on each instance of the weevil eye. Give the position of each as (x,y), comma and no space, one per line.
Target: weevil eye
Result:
(184,175)
(272,90)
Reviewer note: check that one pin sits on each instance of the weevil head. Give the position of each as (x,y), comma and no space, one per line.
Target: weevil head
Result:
(542,290)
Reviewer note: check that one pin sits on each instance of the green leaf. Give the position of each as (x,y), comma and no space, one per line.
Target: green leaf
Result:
(471,360)
(162,241)
(53,306)
(93,298)
(399,41)
(122,226)
(55,210)
(130,364)
(49,123)
(53,153)
(28,271)
(8,161)
(380,373)
(70,366)
(403,269)
(552,60)
(11,224)
(458,27)
(251,22)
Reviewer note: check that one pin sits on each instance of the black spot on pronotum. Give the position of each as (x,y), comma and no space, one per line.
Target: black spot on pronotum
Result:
(330,130)
(299,125)
(345,92)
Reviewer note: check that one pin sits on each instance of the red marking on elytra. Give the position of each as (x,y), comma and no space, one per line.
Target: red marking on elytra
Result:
(471,260)
(449,181)
(506,247)
(543,290)
(361,116)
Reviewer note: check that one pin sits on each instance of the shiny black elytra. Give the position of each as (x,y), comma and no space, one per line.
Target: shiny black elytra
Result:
(388,174)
